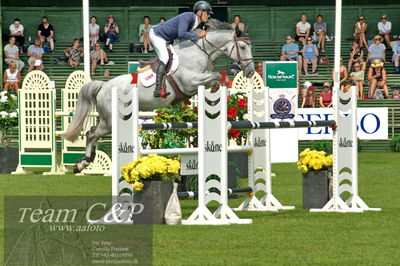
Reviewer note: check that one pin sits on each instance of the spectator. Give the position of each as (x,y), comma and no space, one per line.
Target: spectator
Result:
(302,29)
(376,50)
(94,31)
(310,55)
(360,29)
(357,77)
(11,54)
(325,96)
(12,78)
(384,29)
(144,30)
(356,55)
(162,20)
(74,54)
(343,75)
(308,95)
(46,32)
(97,56)
(17,31)
(237,25)
(35,53)
(111,30)
(259,69)
(320,32)
(396,55)
(290,52)
(377,78)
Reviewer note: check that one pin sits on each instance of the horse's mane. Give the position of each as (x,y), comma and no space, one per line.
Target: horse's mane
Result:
(214,24)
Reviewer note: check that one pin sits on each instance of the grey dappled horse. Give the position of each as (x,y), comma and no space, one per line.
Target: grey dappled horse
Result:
(196,68)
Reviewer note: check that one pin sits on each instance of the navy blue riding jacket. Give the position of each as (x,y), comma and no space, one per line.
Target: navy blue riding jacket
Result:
(178,27)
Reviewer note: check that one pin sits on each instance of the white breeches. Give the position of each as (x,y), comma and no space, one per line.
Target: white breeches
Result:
(160,46)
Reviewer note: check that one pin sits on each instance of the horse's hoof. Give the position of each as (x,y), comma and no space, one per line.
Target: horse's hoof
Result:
(76,169)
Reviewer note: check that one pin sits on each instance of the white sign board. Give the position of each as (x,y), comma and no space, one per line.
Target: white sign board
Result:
(372,123)
(189,164)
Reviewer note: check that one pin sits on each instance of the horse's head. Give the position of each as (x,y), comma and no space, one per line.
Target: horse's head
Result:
(237,49)
(241,54)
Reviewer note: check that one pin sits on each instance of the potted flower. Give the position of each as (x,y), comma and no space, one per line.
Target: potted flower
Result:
(8,120)
(152,181)
(316,168)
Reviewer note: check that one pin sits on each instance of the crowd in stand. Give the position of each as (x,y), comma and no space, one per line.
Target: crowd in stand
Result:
(73,54)
(311,39)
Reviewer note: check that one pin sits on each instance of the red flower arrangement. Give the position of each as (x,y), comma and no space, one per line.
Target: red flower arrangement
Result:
(242,103)
(237,108)
(234,133)
(232,112)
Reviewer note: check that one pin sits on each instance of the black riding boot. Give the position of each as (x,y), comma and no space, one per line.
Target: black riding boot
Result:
(159,80)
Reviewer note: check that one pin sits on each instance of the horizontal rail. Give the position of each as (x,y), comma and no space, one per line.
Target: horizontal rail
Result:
(192,194)
(235,125)
(283,124)
(59,114)
(242,125)
(181,151)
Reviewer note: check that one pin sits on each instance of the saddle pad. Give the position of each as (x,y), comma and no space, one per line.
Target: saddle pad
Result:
(147,78)
(145,65)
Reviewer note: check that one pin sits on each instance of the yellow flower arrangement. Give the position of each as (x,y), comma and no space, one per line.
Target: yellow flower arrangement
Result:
(313,160)
(149,167)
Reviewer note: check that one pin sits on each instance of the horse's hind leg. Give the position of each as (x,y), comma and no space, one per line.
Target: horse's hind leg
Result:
(92,137)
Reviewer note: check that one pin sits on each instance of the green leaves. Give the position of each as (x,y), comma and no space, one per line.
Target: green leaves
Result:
(159,139)
(395,144)
(8,112)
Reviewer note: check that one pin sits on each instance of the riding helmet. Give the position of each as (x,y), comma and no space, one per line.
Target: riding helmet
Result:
(203,6)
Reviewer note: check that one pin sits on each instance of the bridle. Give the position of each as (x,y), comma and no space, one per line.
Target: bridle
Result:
(234,48)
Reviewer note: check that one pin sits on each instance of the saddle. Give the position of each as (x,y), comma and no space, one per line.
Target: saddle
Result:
(147,78)
(153,63)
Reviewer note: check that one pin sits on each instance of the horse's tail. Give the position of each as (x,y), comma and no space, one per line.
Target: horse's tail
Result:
(86,99)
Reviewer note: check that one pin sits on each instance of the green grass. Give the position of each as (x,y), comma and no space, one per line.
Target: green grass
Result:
(285,237)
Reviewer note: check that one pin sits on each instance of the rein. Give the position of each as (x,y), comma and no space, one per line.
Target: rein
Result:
(229,56)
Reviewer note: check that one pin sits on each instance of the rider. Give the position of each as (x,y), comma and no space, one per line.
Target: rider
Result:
(177,27)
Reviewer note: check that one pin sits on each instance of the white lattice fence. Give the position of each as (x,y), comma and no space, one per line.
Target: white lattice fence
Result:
(37,145)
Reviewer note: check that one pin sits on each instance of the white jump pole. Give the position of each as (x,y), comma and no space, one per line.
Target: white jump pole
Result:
(355,201)
(336,100)
(86,45)
(125,133)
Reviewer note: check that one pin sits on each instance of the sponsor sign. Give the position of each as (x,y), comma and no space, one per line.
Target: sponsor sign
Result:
(283,103)
(280,75)
(281,78)
(372,123)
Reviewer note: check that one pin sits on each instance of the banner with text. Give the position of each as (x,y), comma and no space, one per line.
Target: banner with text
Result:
(372,123)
